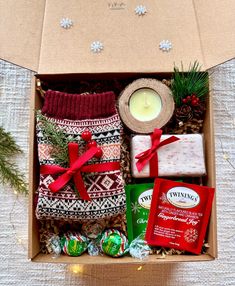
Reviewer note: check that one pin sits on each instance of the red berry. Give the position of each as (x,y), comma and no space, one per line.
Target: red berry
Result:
(188,98)
(194,102)
(91,143)
(194,96)
(86,135)
(99,153)
(184,100)
(197,99)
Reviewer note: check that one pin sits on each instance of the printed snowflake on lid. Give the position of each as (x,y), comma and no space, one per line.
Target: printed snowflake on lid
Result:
(97,47)
(140,10)
(66,23)
(165,45)
(135,207)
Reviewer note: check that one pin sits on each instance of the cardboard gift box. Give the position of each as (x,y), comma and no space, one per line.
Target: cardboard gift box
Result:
(34,39)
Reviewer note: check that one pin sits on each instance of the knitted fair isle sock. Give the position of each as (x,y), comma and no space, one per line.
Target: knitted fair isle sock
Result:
(73,114)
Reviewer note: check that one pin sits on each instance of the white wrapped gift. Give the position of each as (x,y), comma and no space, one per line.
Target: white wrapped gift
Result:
(184,157)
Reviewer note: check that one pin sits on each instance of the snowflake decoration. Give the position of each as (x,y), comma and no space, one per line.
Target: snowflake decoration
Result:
(140,10)
(191,235)
(97,47)
(164,199)
(135,207)
(66,23)
(165,45)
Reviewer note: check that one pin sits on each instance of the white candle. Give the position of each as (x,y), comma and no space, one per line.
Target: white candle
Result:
(145,104)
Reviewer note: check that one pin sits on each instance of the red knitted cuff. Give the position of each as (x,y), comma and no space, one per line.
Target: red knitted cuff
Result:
(78,106)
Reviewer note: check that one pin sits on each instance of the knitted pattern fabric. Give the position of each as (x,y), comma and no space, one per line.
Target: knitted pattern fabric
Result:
(74,114)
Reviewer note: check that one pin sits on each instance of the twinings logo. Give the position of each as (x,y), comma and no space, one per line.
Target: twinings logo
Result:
(183,197)
(145,199)
(115,5)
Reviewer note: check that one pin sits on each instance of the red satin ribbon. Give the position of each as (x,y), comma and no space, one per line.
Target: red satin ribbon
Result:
(75,169)
(150,155)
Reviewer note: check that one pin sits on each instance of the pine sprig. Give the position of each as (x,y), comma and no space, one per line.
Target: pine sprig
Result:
(57,139)
(7,144)
(191,82)
(9,172)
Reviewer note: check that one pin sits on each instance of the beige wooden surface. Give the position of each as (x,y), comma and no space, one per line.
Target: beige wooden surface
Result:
(15,269)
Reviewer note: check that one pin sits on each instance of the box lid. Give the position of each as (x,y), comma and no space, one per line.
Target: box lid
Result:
(31,35)
(21,24)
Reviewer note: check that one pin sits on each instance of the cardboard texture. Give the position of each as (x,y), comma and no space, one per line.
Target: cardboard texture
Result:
(21,24)
(209,180)
(31,37)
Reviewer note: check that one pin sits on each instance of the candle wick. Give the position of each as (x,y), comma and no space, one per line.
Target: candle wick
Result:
(146,104)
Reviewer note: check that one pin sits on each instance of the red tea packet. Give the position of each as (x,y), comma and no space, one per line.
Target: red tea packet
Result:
(179,215)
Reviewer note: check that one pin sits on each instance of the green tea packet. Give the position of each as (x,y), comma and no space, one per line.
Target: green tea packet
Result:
(138,201)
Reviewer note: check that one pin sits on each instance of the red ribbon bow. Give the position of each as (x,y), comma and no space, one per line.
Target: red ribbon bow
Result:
(75,169)
(150,155)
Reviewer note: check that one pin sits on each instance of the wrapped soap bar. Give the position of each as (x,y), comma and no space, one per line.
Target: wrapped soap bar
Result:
(184,157)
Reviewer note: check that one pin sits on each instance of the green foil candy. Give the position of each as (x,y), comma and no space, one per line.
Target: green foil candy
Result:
(74,244)
(114,243)
(138,201)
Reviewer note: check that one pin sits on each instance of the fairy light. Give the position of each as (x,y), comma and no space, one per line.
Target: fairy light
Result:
(225,155)
(232,120)
(76,269)
(19,240)
(140,268)
(17,237)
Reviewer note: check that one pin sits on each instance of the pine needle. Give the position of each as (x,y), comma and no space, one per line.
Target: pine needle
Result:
(7,144)
(9,172)
(57,139)
(191,82)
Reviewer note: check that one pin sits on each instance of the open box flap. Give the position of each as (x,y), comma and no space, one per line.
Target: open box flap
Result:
(21,23)
(131,42)
(216,27)
(200,30)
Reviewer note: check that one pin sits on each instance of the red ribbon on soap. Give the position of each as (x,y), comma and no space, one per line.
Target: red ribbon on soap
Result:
(150,156)
(76,167)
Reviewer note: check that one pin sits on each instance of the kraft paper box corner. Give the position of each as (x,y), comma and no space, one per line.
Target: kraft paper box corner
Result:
(35,40)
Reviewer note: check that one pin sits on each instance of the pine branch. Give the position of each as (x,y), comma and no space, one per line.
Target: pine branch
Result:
(54,134)
(187,83)
(10,174)
(57,139)
(7,144)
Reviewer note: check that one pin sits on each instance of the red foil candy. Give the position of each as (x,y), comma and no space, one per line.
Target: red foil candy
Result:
(179,215)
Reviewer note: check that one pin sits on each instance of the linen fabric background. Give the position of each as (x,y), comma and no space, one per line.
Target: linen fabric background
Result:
(16,269)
